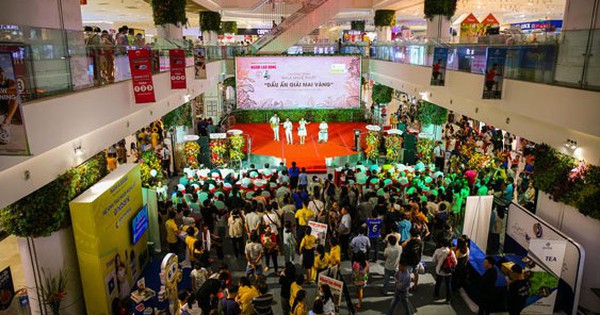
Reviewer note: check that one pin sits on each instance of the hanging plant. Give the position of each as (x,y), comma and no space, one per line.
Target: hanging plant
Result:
(181,116)
(169,12)
(393,145)
(357,26)
(429,113)
(385,18)
(229,27)
(229,82)
(446,8)
(46,210)
(372,149)
(382,94)
(210,21)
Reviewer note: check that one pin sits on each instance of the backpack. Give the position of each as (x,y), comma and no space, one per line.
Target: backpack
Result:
(449,263)
(413,252)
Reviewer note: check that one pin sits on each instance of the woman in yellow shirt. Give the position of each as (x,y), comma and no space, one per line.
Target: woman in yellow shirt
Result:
(307,248)
(246,293)
(321,261)
(299,308)
(335,253)
(295,288)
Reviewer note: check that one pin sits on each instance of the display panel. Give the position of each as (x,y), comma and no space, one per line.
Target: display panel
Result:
(139,225)
(282,82)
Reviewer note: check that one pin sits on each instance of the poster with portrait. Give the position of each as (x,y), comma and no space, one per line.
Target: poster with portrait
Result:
(319,230)
(336,287)
(199,63)
(13,136)
(494,73)
(438,69)
(7,289)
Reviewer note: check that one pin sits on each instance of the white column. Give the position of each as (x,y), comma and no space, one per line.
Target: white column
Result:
(384,34)
(51,254)
(170,32)
(438,28)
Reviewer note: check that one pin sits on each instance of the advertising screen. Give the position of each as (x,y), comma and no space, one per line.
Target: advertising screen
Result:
(139,224)
(284,82)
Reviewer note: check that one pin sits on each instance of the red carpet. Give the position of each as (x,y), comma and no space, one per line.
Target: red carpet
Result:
(310,155)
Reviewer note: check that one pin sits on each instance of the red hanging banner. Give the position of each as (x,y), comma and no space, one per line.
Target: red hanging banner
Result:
(177,61)
(141,76)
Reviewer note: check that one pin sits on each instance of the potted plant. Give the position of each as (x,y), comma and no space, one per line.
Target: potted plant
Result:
(210,25)
(229,27)
(169,16)
(357,26)
(438,14)
(384,20)
(54,289)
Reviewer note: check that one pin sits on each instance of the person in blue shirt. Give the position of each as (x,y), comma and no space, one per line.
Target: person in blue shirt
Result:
(509,191)
(374,232)
(404,227)
(294,173)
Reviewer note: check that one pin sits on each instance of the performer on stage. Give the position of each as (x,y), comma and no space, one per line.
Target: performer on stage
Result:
(288,127)
(323,132)
(274,121)
(302,129)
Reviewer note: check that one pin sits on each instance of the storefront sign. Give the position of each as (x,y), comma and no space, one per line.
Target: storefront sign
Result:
(319,230)
(141,76)
(200,63)
(177,62)
(540,25)
(7,289)
(252,31)
(438,70)
(549,256)
(494,73)
(14,89)
(336,287)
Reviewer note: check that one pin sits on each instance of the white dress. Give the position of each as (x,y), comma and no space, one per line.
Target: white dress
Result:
(302,129)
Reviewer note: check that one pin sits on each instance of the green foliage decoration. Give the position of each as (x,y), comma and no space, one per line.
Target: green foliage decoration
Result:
(385,18)
(446,8)
(316,115)
(567,180)
(429,113)
(149,161)
(382,94)
(169,12)
(46,210)
(181,116)
(229,82)
(210,21)
(229,27)
(357,26)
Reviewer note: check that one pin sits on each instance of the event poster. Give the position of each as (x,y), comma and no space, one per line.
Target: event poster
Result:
(141,76)
(548,256)
(278,82)
(200,63)
(177,66)
(7,289)
(494,73)
(438,69)
(319,230)
(336,287)
(13,136)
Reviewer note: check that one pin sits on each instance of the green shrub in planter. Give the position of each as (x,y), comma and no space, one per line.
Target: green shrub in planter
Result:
(46,210)
(382,94)
(429,113)
(446,8)
(313,115)
(229,27)
(169,12)
(210,21)
(385,18)
(357,26)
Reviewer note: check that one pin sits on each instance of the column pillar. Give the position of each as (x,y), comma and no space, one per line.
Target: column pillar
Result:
(438,28)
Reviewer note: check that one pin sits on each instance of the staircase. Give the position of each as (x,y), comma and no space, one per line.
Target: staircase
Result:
(312,14)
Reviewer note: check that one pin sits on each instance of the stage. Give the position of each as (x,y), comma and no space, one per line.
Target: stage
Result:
(312,154)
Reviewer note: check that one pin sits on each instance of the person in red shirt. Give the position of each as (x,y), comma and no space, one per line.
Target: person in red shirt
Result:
(269,242)
(490,77)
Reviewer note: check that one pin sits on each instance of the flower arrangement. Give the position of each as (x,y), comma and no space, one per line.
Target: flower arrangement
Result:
(218,148)
(149,161)
(425,149)
(372,141)
(191,151)
(393,144)
(54,290)
(236,145)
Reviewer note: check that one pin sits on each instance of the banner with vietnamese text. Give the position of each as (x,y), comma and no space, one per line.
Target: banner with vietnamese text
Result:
(177,65)
(141,76)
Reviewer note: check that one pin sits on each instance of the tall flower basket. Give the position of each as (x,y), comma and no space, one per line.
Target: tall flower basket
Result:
(236,146)
(393,146)
(191,151)
(218,149)
(372,140)
(54,290)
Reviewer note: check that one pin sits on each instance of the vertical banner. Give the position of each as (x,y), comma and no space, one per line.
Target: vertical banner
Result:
(13,87)
(200,63)
(177,65)
(494,73)
(478,213)
(438,70)
(7,289)
(548,256)
(141,76)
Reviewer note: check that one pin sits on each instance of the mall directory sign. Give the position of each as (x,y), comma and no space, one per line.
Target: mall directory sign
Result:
(295,82)
(141,76)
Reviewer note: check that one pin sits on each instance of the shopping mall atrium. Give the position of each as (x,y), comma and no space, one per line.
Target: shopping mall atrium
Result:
(299,157)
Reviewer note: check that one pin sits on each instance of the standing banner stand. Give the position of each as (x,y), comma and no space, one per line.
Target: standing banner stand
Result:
(548,256)
(151,202)
(478,213)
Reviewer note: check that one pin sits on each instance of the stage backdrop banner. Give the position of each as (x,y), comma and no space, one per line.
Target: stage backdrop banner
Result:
(548,255)
(523,226)
(14,88)
(111,242)
(478,213)
(438,70)
(274,82)
(494,73)
(141,76)
(177,63)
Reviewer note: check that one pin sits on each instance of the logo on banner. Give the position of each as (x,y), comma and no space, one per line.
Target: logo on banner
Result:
(538,231)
